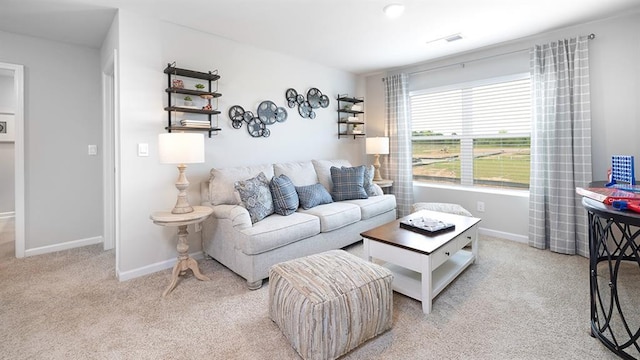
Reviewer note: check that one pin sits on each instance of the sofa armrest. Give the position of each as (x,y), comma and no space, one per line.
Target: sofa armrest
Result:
(377,190)
(238,215)
(204,193)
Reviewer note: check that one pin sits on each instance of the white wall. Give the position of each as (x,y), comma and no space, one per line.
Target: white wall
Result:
(62,116)
(249,75)
(615,110)
(7,149)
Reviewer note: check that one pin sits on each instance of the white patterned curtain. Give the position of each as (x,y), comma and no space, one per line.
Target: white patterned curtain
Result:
(560,146)
(398,126)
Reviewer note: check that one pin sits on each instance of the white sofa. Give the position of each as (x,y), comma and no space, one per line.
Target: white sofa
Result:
(249,250)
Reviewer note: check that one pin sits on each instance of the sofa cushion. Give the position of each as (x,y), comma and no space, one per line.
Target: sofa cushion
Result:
(222,182)
(256,197)
(301,173)
(276,231)
(323,169)
(348,183)
(374,205)
(313,195)
(335,215)
(285,197)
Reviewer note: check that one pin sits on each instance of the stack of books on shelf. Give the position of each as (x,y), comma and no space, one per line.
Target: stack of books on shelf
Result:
(608,195)
(195,123)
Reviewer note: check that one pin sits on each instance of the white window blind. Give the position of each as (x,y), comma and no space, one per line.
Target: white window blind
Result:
(473,134)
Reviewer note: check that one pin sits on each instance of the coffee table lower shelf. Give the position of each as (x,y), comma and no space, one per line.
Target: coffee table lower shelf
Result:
(409,283)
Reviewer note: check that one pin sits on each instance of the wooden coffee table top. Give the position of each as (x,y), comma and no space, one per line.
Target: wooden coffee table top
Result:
(392,234)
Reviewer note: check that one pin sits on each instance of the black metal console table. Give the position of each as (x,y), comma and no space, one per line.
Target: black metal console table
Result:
(614,243)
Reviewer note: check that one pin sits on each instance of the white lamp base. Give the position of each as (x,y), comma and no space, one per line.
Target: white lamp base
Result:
(182,184)
(376,165)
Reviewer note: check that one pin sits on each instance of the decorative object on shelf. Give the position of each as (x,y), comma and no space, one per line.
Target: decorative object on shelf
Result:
(377,146)
(177,83)
(268,114)
(350,116)
(175,107)
(315,99)
(181,149)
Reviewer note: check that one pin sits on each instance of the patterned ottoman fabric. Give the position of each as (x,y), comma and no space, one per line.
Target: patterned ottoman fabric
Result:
(328,304)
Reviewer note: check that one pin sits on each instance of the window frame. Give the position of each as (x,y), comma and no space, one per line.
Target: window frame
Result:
(466,140)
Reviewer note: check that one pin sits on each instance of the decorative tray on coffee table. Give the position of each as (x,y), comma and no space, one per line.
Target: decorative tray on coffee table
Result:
(426,226)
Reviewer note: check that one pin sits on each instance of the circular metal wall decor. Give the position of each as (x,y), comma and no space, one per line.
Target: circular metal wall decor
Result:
(305,109)
(313,97)
(292,97)
(314,100)
(268,114)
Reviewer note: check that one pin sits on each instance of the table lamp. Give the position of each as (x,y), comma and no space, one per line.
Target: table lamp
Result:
(181,149)
(377,146)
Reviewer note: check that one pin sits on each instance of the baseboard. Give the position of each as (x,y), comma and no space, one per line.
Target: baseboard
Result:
(504,235)
(153,268)
(63,246)
(7,215)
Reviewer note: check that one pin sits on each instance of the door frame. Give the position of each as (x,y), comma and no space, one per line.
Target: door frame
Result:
(19,165)
(111,156)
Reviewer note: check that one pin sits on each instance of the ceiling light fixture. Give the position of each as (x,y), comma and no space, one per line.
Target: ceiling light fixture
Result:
(393,10)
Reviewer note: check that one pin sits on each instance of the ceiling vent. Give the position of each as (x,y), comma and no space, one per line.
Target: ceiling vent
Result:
(454,37)
(449,38)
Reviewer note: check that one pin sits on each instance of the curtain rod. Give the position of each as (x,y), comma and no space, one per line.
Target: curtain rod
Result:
(462,63)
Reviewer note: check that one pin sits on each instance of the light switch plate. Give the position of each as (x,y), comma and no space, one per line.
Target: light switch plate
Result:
(143,149)
(93,150)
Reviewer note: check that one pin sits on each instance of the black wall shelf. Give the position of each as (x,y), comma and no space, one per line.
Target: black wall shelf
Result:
(210,93)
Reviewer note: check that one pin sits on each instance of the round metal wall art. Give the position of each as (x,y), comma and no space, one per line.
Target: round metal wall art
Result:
(314,100)
(268,114)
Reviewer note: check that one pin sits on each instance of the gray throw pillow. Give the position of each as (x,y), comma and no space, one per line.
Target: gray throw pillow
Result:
(256,197)
(313,195)
(285,197)
(348,183)
(369,172)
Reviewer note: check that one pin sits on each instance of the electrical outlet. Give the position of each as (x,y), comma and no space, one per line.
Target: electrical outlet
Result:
(198,227)
(480,206)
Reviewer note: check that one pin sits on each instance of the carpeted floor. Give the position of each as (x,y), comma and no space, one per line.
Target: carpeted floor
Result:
(516,302)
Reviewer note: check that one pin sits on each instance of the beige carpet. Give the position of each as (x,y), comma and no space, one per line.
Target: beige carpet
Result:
(515,303)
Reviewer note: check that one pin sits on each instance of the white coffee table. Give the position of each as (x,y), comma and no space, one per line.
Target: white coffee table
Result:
(424,265)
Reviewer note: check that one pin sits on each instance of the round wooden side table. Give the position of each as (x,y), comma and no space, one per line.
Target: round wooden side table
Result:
(185,262)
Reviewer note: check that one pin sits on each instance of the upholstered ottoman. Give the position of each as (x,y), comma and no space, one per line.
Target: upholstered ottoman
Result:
(328,304)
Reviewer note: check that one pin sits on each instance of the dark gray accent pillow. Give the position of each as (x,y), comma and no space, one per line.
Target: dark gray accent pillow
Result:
(313,195)
(285,197)
(256,197)
(348,183)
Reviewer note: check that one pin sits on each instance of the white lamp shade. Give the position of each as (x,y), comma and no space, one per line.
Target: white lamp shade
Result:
(377,145)
(181,148)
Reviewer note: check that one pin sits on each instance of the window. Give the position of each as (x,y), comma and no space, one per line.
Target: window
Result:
(473,134)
